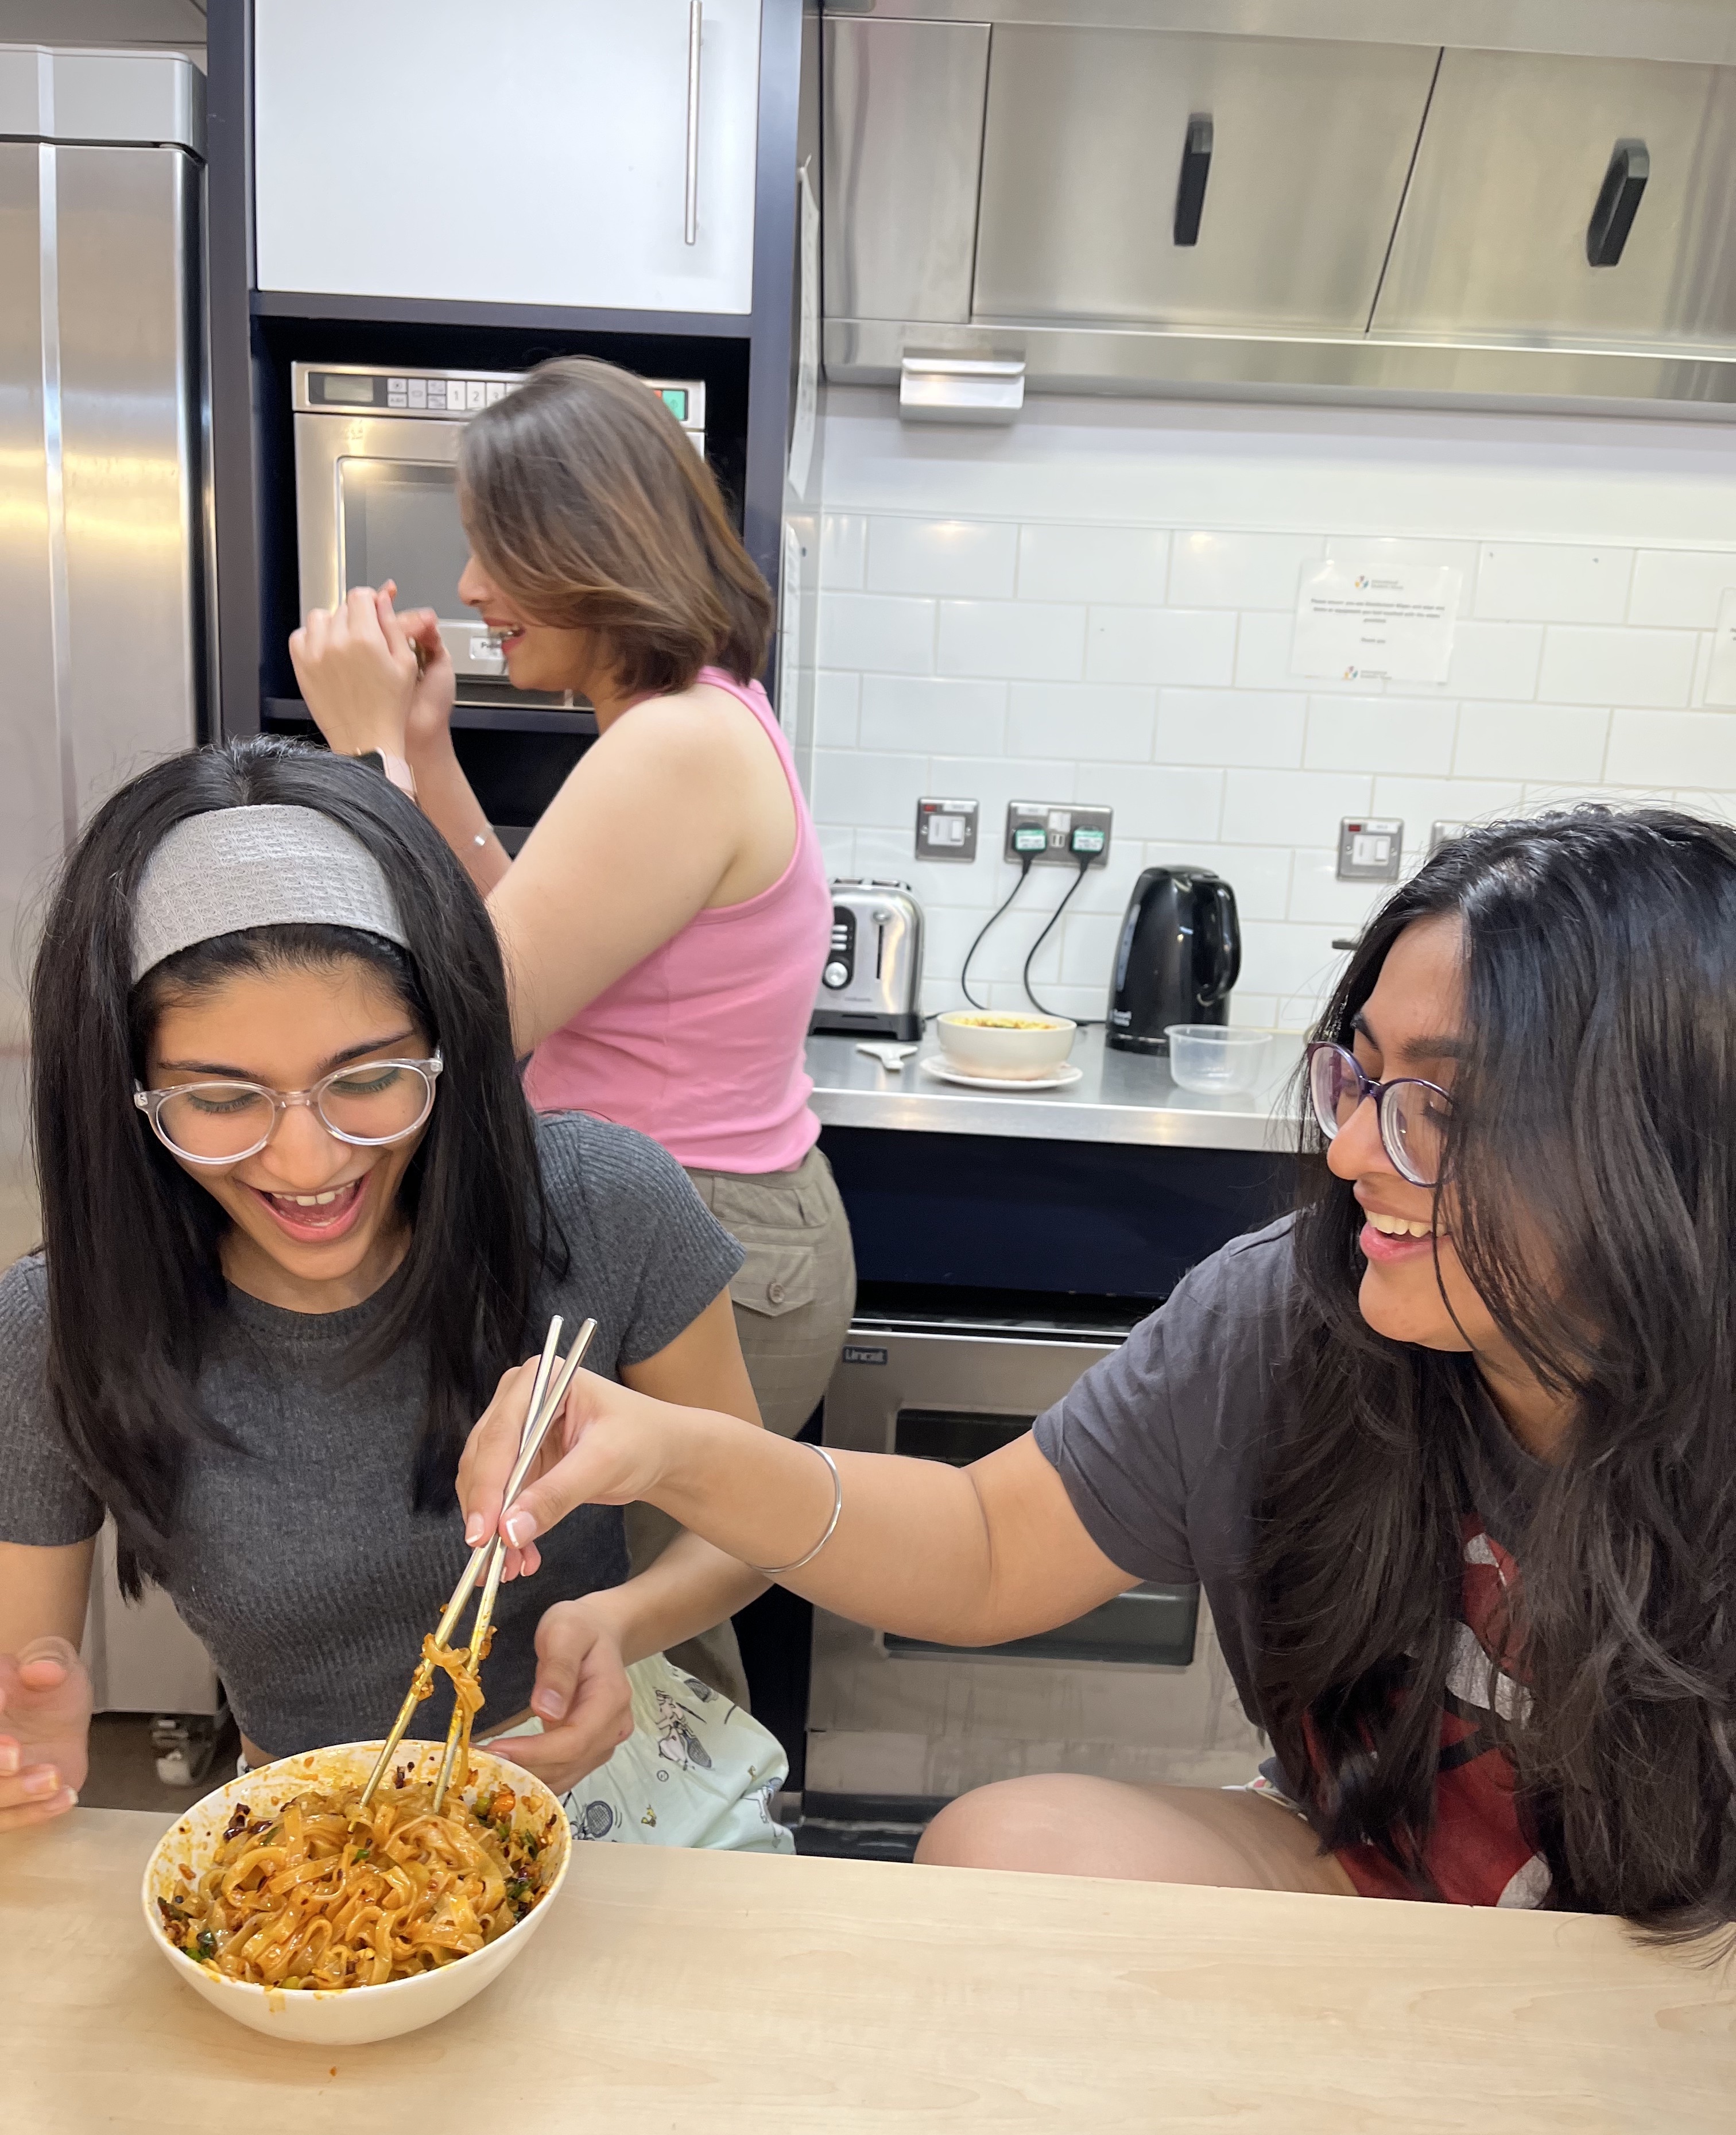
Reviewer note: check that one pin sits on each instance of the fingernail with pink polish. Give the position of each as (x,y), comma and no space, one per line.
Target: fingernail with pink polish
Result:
(47,1781)
(473,1528)
(9,1759)
(520,1528)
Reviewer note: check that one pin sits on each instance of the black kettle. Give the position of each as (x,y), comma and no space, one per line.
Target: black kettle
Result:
(1180,953)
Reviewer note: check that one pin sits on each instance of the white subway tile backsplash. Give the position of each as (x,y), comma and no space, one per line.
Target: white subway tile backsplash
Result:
(837,697)
(1263,656)
(1531,741)
(1160,645)
(941,556)
(1287,958)
(1290,807)
(1547,582)
(878,633)
(1159,801)
(856,786)
(1379,734)
(1230,726)
(1056,644)
(933,714)
(1317,896)
(1680,588)
(1092,564)
(1612,665)
(1417,802)
(1097,722)
(1497,660)
(1013,640)
(842,550)
(1088,954)
(1240,570)
(1673,748)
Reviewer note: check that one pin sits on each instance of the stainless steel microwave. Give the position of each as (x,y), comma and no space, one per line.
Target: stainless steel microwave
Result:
(376,454)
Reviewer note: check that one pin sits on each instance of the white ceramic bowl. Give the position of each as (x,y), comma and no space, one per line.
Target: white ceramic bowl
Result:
(1211,1060)
(1021,1049)
(349,2016)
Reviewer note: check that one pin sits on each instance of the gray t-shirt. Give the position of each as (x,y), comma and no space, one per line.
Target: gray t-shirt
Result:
(1159,1445)
(300,1560)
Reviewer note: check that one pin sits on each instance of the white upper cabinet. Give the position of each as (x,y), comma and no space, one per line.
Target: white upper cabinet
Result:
(587,152)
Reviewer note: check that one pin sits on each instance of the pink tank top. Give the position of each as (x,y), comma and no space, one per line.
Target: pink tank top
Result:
(701,1045)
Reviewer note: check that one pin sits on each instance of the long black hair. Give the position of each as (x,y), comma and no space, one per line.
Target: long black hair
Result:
(132,1244)
(1591,1168)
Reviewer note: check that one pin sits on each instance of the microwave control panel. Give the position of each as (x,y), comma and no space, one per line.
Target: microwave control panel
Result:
(350,389)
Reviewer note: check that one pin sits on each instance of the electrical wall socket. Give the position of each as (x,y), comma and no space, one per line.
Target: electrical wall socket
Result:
(1370,851)
(946,830)
(1062,831)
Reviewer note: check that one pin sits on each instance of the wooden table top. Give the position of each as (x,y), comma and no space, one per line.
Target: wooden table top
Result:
(705,1993)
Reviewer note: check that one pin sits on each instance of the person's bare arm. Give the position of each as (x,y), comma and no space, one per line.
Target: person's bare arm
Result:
(45,1693)
(964,1557)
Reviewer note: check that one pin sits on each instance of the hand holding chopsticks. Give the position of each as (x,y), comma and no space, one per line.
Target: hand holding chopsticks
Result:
(486,1560)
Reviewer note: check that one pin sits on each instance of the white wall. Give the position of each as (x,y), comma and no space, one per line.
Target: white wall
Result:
(1096,604)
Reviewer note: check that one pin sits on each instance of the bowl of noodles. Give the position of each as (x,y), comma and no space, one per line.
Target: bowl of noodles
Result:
(295,1910)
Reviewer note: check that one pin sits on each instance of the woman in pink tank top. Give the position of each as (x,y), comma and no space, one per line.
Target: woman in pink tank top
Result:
(665,922)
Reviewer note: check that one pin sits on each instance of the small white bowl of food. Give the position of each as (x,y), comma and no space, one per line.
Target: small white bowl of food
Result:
(1004,1047)
(293,1910)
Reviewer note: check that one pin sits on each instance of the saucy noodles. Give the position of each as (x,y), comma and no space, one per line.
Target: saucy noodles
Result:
(323,1893)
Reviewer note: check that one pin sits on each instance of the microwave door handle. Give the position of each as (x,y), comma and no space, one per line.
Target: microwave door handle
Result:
(695,28)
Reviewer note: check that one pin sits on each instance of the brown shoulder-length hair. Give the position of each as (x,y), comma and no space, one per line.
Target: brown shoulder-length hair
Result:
(583,496)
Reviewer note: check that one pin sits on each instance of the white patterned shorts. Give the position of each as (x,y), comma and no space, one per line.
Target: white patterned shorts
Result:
(696,1771)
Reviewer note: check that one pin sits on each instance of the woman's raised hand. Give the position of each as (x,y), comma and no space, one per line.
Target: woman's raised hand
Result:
(605,1448)
(582,1697)
(358,672)
(45,1731)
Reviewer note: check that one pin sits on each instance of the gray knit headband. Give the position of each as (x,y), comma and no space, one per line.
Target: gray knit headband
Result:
(237,868)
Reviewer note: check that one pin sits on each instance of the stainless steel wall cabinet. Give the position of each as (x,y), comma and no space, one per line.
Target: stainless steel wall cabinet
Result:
(1517,203)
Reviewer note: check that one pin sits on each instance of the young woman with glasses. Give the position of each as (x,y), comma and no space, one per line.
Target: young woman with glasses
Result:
(1452,1449)
(299,1222)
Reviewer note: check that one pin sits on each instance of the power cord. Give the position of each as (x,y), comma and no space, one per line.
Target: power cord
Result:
(1084,861)
(1024,869)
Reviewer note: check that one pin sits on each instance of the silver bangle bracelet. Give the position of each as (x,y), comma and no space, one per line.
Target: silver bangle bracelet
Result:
(778,1570)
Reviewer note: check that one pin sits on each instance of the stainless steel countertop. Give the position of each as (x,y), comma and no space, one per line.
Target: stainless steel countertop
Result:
(1120,1097)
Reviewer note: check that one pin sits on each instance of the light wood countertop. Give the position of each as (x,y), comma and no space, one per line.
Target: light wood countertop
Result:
(707,1993)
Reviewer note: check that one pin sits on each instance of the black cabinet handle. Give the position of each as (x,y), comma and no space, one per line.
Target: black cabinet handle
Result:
(1630,166)
(1190,192)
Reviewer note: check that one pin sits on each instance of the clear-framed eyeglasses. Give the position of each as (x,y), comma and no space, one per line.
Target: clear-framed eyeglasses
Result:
(371,1104)
(1413,1115)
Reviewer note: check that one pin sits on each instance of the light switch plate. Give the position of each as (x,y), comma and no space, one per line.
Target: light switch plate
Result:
(946,830)
(1369,848)
(1070,831)
(1444,834)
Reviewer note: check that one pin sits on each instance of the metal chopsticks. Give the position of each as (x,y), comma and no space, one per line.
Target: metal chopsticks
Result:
(486,1558)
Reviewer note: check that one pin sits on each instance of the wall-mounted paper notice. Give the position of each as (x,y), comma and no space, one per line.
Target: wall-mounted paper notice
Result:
(1721,674)
(1389,622)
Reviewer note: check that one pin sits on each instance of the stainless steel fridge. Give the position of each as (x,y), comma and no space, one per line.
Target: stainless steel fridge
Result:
(104,555)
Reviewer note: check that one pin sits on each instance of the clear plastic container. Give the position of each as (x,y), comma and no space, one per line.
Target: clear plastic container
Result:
(1214,1060)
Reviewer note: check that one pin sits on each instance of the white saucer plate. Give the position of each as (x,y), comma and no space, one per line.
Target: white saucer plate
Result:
(1063,1077)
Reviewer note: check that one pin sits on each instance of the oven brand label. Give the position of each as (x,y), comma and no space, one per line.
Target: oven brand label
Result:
(854,1353)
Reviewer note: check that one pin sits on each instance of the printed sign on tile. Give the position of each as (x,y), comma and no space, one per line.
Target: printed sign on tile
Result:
(1721,674)
(1386,622)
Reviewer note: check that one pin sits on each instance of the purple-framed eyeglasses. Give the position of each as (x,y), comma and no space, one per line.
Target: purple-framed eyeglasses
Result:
(1412,1114)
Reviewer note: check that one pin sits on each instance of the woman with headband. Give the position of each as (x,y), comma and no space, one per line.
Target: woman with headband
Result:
(299,1222)
(666,922)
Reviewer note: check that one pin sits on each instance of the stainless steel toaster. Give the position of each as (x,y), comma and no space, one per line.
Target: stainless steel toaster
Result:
(873,980)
